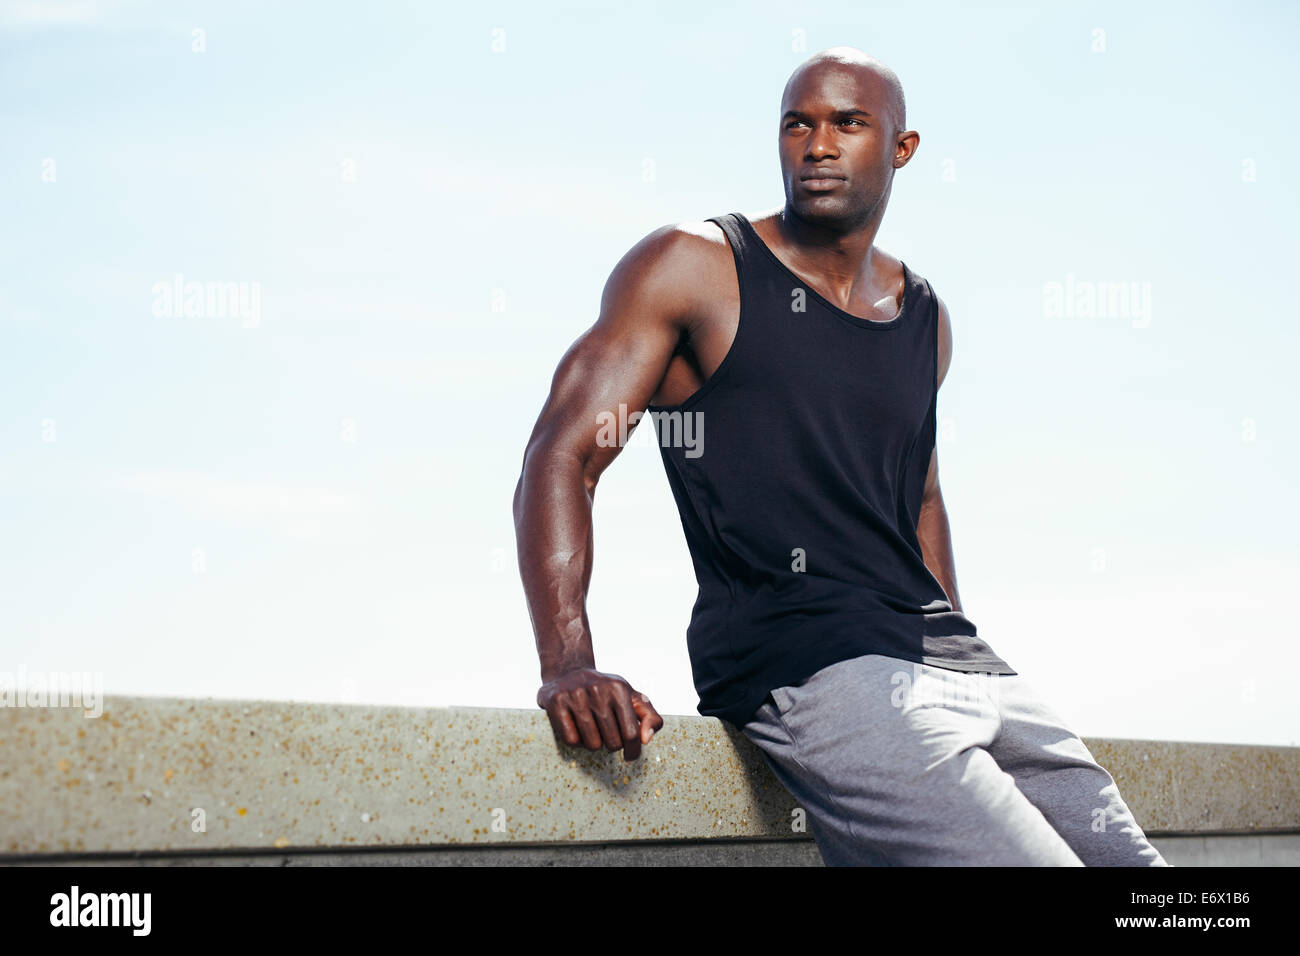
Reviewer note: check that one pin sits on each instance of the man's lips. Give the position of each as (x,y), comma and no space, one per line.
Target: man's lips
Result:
(818,181)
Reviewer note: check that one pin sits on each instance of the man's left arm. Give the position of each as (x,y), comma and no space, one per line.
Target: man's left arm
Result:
(932,527)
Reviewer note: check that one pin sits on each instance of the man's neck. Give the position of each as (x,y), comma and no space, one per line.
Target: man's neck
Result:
(844,252)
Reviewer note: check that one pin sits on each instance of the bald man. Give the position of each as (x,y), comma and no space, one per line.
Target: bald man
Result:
(828,627)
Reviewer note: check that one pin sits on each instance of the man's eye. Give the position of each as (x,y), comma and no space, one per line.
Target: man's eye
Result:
(794,123)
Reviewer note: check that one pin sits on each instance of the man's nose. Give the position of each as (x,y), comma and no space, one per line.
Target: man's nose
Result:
(822,142)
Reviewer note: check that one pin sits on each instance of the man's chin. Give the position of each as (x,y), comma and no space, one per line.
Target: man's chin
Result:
(830,212)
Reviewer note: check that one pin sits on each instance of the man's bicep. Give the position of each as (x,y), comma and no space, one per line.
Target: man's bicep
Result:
(944,342)
(944,360)
(613,369)
(932,476)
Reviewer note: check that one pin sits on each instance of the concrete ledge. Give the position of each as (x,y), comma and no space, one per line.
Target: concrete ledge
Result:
(1266,849)
(189,777)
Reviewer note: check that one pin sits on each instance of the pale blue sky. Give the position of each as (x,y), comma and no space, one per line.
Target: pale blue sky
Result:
(316,504)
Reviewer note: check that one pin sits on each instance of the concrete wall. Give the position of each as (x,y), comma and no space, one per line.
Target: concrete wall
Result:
(163,780)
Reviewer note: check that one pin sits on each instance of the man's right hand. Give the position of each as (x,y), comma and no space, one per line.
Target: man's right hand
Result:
(592,708)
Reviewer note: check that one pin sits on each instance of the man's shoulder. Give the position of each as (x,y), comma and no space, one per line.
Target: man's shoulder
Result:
(678,240)
(691,250)
(687,252)
(680,269)
(700,230)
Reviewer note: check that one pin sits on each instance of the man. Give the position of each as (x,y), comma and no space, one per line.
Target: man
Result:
(828,626)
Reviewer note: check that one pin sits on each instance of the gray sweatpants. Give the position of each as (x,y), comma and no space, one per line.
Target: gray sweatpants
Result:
(903,764)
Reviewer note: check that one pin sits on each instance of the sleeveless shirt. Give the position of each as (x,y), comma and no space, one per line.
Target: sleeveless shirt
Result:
(798,470)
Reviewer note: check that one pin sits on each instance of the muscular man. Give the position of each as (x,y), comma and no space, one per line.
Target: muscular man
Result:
(828,626)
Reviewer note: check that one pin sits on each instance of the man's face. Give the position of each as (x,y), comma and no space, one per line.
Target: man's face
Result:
(836,120)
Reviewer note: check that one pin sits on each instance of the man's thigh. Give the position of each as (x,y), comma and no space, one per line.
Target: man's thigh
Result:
(1054,769)
(889,760)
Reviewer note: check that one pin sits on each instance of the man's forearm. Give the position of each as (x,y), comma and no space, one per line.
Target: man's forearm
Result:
(553,532)
(936,547)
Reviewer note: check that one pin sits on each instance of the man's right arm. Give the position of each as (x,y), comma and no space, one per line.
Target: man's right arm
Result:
(621,360)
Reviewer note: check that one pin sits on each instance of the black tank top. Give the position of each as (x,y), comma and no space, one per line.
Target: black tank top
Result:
(798,469)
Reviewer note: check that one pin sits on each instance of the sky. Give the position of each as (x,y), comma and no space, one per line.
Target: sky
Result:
(400,215)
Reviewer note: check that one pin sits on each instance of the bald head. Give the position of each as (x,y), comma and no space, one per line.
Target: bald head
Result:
(851,58)
(842,136)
